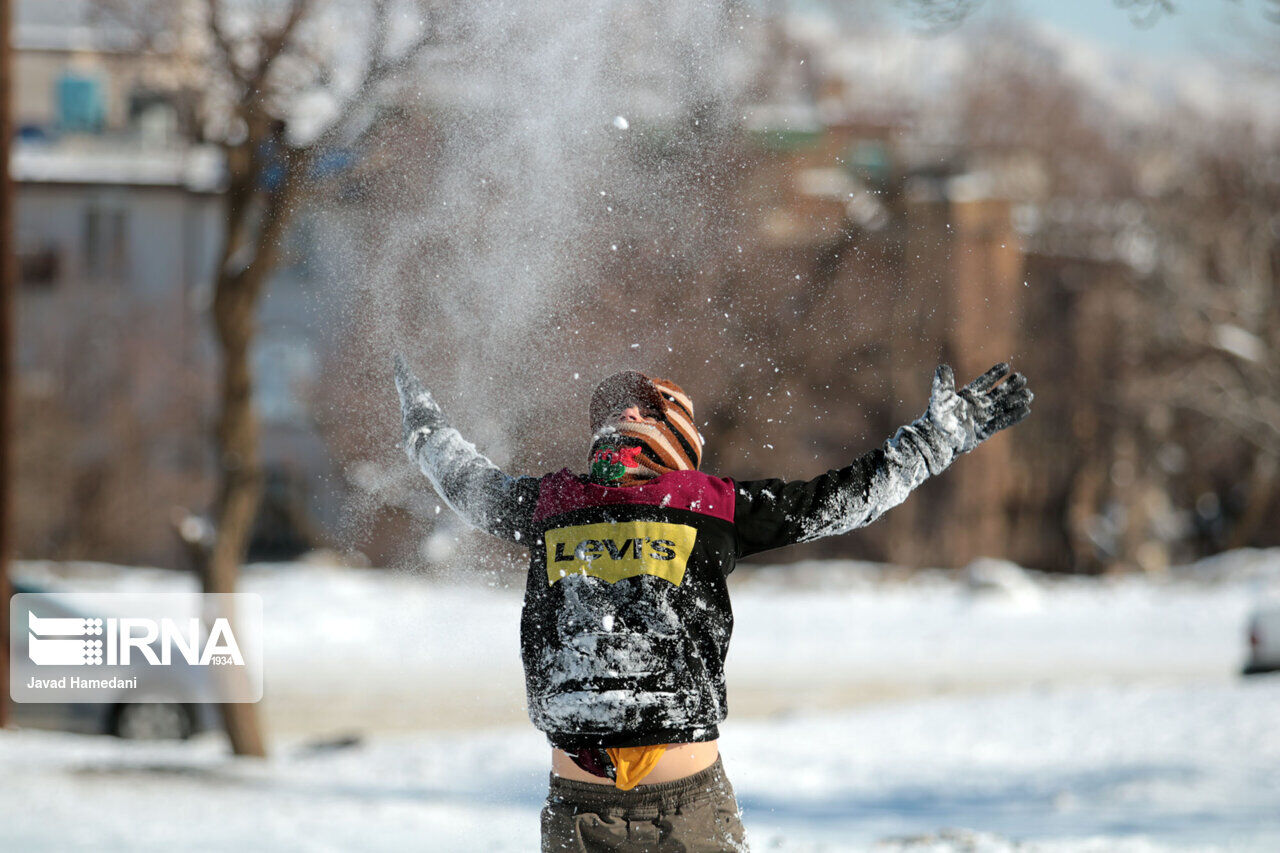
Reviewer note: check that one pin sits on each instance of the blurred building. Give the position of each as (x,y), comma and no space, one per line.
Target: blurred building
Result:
(997,209)
(887,240)
(119,222)
(854,225)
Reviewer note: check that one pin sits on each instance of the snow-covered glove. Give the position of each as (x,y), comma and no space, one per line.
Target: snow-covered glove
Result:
(421,415)
(469,483)
(773,513)
(958,421)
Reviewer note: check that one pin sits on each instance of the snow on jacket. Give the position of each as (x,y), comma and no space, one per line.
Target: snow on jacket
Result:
(626,619)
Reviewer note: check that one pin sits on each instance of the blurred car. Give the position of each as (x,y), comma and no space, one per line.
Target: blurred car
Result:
(1264,640)
(127,719)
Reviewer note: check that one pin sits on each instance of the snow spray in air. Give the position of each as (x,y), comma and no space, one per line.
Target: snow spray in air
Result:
(478,238)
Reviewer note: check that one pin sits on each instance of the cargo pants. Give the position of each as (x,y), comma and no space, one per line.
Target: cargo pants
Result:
(697,814)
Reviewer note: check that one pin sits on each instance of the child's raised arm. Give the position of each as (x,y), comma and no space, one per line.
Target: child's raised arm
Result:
(469,483)
(773,513)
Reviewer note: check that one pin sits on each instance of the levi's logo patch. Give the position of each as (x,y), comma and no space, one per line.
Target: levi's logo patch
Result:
(620,550)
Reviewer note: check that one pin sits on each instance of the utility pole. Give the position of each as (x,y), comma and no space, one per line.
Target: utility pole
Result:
(8,284)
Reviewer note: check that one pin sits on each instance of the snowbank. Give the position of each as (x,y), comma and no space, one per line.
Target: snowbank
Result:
(1030,714)
(355,648)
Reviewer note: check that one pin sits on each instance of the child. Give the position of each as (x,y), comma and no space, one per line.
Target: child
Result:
(626,618)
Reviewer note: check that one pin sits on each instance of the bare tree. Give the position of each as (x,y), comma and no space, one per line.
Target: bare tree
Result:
(1215,303)
(249,69)
(945,14)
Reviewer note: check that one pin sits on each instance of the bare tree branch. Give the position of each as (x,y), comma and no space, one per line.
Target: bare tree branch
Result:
(226,50)
(1145,13)
(380,67)
(272,45)
(940,15)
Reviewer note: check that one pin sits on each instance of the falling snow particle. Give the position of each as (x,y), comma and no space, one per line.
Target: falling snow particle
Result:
(621,123)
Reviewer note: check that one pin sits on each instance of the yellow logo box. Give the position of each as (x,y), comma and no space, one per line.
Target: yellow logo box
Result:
(621,550)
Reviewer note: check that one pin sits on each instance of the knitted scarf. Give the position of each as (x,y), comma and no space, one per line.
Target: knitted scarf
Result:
(624,453)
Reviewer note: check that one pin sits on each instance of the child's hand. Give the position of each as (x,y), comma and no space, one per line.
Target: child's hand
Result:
(995,400)
(418,409)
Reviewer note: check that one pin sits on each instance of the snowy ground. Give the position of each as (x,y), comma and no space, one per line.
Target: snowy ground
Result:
(1012,714)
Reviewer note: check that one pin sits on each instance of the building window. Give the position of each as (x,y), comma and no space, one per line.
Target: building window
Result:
(154,116)
(106,242)
(869,160)
(81,105)
(39,267)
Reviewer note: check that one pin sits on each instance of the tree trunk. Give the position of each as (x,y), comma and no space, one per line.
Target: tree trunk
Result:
(235,304)
(1262,485)
(240,490)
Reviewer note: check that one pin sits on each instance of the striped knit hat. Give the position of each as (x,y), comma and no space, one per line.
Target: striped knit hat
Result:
(624,452)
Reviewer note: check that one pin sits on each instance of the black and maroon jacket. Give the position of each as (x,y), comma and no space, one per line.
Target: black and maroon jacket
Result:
(626,618)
